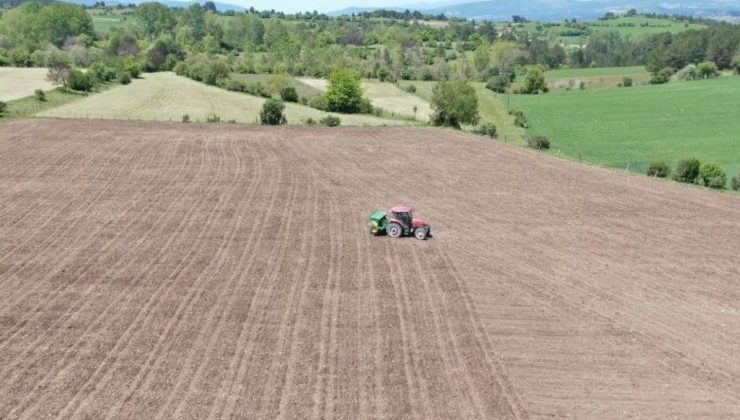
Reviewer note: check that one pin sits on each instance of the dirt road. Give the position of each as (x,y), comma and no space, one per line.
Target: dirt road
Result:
(184,271)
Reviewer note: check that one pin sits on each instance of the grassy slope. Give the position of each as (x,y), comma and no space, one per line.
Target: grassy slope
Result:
(301,88)
(167,97)
(16,83)
(388,97)
(491,109)
(630,127)
(595,72)
(30,106)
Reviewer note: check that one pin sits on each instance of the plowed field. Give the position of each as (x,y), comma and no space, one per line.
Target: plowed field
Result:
(187,271)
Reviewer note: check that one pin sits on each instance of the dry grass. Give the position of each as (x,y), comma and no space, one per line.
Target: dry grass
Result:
(167,97)
(16,83)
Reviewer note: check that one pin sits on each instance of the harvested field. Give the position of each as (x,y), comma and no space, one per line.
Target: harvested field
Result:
(167,97)
(16,83)
(157,270)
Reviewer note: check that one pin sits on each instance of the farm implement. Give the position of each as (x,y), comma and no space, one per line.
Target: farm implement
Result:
(399,221)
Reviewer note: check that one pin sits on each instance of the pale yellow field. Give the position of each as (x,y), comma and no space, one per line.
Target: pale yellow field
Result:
(388,97)
(167,97)
(16,83)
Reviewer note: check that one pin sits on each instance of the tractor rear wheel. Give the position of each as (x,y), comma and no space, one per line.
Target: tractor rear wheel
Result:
(420,233)
(394,230)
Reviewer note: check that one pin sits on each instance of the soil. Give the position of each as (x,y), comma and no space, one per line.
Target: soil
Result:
(154,270)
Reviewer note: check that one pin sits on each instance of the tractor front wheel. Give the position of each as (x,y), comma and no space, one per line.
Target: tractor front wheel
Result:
(394,230)
(420,234)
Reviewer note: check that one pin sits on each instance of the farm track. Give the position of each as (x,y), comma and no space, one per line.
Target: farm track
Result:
(170,271)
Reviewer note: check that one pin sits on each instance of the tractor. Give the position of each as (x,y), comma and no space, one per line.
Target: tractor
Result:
(400,223)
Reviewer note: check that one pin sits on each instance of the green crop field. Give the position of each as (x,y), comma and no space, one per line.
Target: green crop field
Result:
(104,20)
(167,97)
(595,72)
(629,127)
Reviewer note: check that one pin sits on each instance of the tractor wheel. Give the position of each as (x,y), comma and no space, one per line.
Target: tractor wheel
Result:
(394,230)
(420,234)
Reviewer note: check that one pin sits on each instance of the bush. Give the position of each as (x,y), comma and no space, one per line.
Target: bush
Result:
(213,118)
(687,170)
(497,84)
(318,102)
(289,94)
(310,121)
(80,81)
(330,121)
(736,183)
(538,142)
(713,175)
(486,130)
(123,78)
(410,89)
(534,81)
(186,118)
(707,70)
(735,66)
(344,93)
(661,76)
(454,103)
(688,73)
(3,108)
(102,73)
(658,169)
(272,112)
(40,95)
(520,120)
(627,81)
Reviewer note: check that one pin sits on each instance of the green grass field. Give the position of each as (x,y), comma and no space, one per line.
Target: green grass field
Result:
(491,108)
(16,83)
(30,106)
(595,72)
(629,127)
(167,97)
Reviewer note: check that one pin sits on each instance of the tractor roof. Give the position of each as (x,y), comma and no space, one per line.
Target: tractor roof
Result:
(401,209)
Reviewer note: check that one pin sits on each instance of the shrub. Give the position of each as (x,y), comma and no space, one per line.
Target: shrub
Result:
(3,108)
(538,142)
(454,103)
(534,81)
(40,95)
(627,81)
(520,120)
(310,121)
(736,65)
(707,70)
(330,121)
(289,94)
(318,102)
(410,89)
(687,170)
(486,130)
(123,78)
(272,112)
(186,118)
(344,93)
(658,169)
(688,73)
(80,81)
(713,175)
(497,84)
(735,184)
(661,76)
(213,118)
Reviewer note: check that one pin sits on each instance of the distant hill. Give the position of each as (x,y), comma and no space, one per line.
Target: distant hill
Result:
(170,3)
(554,10)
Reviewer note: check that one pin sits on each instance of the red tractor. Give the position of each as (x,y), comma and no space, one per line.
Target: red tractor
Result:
(400,223)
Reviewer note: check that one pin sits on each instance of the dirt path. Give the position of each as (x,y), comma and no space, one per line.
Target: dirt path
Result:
(171,271)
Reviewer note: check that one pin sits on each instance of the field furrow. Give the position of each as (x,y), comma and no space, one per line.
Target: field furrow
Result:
(157,270)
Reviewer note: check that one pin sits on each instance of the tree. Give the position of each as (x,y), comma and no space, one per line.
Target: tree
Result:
(155,18)
(482,58)
(59,69)
(659,169)
(497,84)
(534,80)
(272,113)
(83,82)
(210,6)
(707,70)
(164,54)
(345,94)
(504,55)
(289,94)
(454,103)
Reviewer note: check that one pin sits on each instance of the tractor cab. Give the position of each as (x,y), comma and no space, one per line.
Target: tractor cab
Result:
(404,215)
